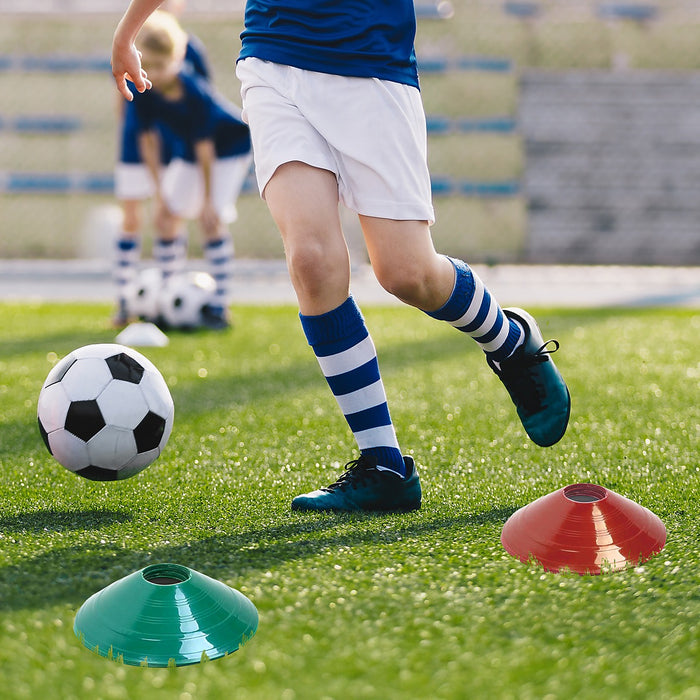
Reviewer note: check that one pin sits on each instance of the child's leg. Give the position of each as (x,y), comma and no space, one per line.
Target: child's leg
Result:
(348,359)
(218,252)
(126,255)
(472,309)
(319,266)
(170,245)
(228,177)
(133,185)
(407,265)
(183,198)
(303,202)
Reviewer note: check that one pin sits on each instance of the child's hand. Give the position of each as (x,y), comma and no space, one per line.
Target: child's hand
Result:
(126,65)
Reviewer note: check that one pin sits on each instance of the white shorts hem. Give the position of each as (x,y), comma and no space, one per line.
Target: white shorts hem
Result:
(370,133)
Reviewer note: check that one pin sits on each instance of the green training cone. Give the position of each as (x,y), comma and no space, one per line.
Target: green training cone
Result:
(165,615)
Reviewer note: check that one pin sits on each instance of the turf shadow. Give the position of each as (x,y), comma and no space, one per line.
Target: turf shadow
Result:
(50,520)
(60,342)
(72,574)
(273,381)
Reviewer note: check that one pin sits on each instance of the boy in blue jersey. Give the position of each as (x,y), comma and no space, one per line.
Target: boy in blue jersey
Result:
(208,159)
(133,184)
(330,91)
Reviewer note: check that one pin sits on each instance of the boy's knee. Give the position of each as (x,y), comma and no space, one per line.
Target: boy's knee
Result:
(166,222)
(131,218)
(317,271)
(414,285)
(309,262)
(410,291)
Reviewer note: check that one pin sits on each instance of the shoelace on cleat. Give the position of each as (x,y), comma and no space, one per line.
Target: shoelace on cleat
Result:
(522,384)
(357,472)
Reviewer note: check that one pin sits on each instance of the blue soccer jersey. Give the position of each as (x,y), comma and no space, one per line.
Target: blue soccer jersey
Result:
(201,113)
(196,64)
(363,38)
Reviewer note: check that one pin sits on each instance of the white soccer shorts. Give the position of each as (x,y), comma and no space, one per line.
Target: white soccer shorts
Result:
(182,186)
(370,133)
(133,181)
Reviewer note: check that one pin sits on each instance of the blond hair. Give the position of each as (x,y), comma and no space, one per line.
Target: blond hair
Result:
(162,34)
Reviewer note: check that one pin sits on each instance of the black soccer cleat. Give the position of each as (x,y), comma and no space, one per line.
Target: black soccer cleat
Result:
(534,383)
(215,318)
(363,487)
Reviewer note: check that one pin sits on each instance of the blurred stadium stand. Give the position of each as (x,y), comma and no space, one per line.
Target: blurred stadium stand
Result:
(425,10)
(560,130)
(103,6)
(613,166)
(638,13)
(522,10)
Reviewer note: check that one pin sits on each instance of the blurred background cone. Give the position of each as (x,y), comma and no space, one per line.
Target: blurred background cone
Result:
(141,334)
(583,528)
(165,615)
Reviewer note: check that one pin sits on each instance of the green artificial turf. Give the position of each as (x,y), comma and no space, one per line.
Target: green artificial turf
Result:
(422,605)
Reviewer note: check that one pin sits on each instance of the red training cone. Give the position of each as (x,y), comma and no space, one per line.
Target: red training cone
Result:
(584,528)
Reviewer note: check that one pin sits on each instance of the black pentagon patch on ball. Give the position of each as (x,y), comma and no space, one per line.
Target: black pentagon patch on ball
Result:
(98,473)
(44,436)
(125,367)
(149,432)
(84,419)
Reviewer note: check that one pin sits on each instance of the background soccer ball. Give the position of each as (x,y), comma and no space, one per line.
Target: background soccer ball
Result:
(184,297)
(142,295)
(105,412)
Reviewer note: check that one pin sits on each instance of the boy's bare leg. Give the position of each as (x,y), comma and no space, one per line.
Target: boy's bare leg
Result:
(303,201)
(405,262)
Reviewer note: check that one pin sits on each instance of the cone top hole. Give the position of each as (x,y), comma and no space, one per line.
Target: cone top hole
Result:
(166,574)
(585,493)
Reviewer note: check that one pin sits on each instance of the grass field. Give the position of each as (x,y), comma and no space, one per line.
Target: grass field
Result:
(424,605)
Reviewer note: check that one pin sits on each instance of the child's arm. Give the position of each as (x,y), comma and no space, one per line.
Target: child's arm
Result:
(206,154)
(126,60)
(149,148)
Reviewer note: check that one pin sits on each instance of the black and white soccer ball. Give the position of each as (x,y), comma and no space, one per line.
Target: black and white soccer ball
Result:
(142,295)
(105,412)
(184,299)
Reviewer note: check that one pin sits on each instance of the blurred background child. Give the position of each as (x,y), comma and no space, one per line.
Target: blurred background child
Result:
(184,145)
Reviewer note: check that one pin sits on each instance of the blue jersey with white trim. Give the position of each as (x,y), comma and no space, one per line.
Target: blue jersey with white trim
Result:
(362,38)
(200,113)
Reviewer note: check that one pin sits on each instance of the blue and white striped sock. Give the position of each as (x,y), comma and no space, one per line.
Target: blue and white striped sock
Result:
(348,359)
(169,255)
(219,256)
(472,310)
(127,255)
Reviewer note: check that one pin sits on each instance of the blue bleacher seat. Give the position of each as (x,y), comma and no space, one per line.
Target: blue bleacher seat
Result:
(39,123)
(28,183)
(522,10)
(447,186)
(441,9)
(639,13)
(100,64)
(438,124)
(55,63)
(465,63)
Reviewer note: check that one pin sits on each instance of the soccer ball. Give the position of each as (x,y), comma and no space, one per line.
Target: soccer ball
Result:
(105,412)
(142,295)
(184,298)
